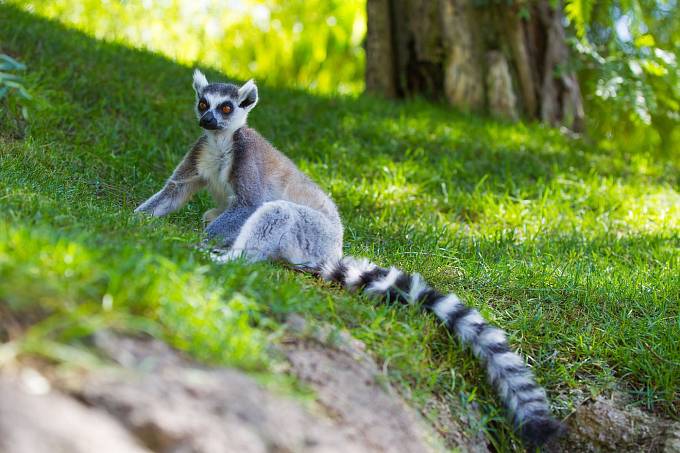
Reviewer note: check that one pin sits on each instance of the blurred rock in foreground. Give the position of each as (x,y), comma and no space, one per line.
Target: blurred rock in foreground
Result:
(155,399)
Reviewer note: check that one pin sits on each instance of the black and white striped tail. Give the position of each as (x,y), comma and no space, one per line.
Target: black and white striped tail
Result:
(506,370)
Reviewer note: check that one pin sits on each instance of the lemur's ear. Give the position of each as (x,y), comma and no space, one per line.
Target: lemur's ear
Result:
(247,95)
(200,81)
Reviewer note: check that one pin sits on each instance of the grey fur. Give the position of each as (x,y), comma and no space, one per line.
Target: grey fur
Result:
(247,177)
(288,229)
(223,89)
(268,209)
(296,234)
(227,226)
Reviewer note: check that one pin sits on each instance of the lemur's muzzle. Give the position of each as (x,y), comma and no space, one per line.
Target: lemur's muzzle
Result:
(208,121)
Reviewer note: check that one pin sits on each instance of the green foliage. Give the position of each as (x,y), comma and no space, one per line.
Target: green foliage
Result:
(572,248)
(630,70)
(579,11)
(314,44)
(13,95)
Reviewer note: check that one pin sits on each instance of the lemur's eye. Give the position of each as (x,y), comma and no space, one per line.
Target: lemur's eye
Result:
(226,109)
(202,105)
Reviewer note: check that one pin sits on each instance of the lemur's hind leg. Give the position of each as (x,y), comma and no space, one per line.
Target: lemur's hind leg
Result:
(294,233)
(261,233)
(226,227)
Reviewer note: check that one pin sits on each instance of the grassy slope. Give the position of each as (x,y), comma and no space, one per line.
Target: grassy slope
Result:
(572,249)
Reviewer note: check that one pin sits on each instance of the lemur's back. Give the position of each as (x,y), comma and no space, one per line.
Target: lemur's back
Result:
(255,161)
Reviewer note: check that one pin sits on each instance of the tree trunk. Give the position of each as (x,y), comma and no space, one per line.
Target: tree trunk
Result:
(477,58)
(380,73)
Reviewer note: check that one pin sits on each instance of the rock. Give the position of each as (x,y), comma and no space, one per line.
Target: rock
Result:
(607,424)
(156,399)
(672,443)
(355,392)
(50,421)
(172,404)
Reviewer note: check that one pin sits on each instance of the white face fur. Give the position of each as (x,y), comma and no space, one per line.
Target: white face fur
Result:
(223,107)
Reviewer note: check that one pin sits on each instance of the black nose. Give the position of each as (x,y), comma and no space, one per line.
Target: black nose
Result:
(208,121)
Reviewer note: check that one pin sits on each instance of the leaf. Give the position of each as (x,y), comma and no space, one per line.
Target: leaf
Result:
(19,87)
(524,12)
(667,57)
(635,67)
(8,76)
(8,62)
(645,40)
(654,68)
(579,11)
(641,107)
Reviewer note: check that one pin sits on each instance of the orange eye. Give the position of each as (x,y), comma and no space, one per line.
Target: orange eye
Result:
(202,105)
(226,109)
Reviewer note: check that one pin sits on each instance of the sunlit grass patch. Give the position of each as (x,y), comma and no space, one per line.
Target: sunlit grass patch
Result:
(68,291)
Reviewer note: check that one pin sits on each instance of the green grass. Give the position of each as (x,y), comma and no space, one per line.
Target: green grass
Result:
(571,248)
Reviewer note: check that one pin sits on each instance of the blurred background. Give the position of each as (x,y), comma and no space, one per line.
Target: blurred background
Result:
(614,64)
(312,44)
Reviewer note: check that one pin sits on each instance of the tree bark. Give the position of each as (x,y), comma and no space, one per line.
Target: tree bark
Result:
(501,96)
(561,102)
(463,73)
(516,36)
(476,58)
(380,71)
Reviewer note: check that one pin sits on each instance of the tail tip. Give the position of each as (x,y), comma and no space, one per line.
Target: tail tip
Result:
(539,431)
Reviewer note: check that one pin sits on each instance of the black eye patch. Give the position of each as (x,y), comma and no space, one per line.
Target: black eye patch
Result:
(247,101)
(203,104)
(226,107)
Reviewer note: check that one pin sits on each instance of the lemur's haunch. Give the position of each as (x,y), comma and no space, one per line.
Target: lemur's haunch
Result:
(268,209)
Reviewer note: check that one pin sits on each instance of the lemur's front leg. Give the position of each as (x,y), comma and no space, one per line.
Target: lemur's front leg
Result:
(227,225)
(170,198)
(184,182)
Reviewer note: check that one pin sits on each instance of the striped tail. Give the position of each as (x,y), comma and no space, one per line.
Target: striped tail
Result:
(506,370)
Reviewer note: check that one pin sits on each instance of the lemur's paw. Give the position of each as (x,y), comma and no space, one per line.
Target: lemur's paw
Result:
(221,256)
(141,208)
(204,246)
(210,215)
(153,210)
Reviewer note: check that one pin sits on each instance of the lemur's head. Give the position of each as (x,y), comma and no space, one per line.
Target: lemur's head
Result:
(223,106)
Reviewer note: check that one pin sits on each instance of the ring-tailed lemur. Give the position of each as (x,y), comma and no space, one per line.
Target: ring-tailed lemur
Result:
(268,209)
